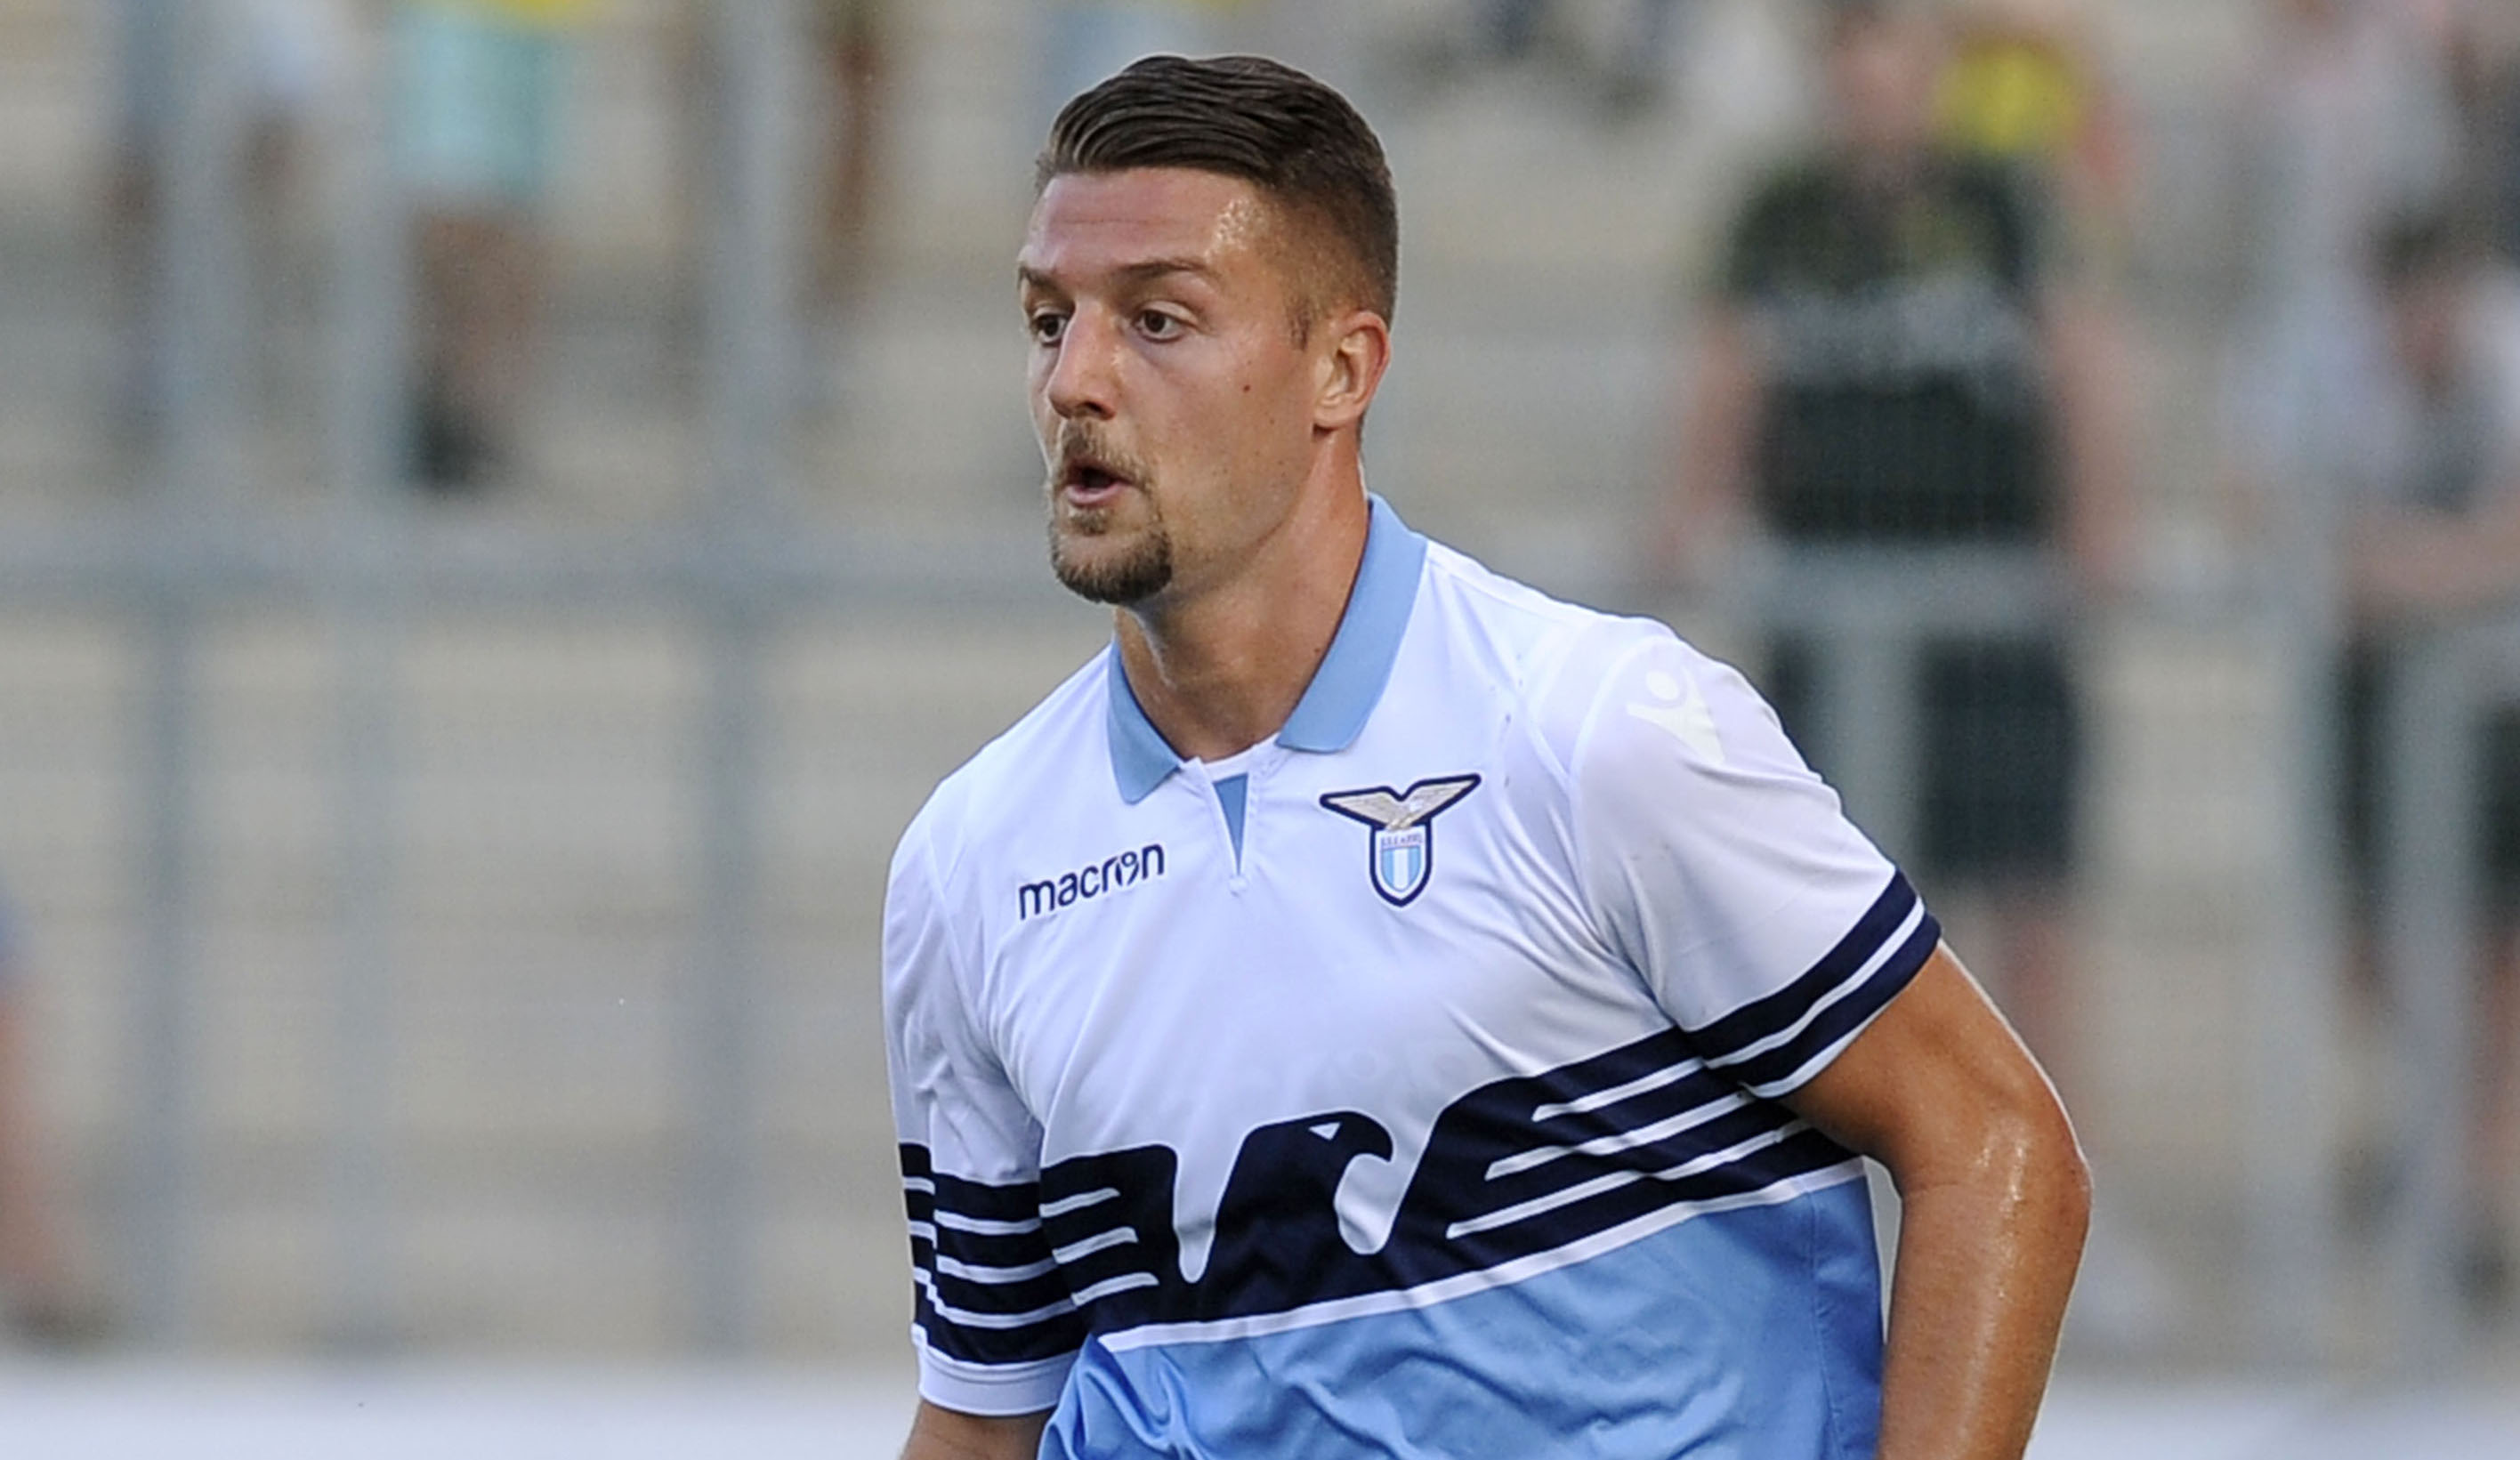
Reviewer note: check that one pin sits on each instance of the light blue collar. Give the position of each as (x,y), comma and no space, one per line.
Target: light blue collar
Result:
(1344,689)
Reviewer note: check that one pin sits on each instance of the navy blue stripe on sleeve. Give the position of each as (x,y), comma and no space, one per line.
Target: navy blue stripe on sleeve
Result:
(1765,1018)
(1781,1066)
(1049,1336)
(988,1290)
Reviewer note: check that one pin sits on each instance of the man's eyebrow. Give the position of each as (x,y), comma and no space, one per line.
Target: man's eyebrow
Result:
(1158,268)
(1137,273)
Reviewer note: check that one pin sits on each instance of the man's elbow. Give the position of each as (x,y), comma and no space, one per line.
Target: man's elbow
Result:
(2033,1152)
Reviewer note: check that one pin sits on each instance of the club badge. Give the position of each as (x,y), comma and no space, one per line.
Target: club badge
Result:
(1400,854)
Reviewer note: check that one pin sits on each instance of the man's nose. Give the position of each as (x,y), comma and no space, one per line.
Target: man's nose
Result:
(1082,378)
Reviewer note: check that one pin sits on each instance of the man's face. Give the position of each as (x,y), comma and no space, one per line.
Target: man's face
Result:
(1171,386)
(1882,77)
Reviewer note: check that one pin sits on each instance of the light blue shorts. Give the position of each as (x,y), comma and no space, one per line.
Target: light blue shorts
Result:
(477,105)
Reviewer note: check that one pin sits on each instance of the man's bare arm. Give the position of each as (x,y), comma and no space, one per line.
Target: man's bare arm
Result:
(1994,1201)
(950,1434)
(2405,562)
(1707,508)
(2087,360)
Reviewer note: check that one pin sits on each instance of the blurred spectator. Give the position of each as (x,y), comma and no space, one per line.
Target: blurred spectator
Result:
(2349,122)
(43,1303)
(1626,75)
(1890,361)
(2484,46)
(852,39)
(479,91)
(2024,87)
(288,55)
(850,44)
(2409,415)
(145,51)
(1629,79)
(1091,39)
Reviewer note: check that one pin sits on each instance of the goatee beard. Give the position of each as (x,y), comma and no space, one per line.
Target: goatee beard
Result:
(1143,567)
(1142,572)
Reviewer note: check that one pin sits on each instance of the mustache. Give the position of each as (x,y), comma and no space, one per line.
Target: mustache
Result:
(1081,445)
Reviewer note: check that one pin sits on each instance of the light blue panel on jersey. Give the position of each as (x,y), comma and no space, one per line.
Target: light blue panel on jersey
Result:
(1752,1335)
(1232,793)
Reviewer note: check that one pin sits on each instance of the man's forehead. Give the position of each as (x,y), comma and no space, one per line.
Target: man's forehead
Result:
(1098,221)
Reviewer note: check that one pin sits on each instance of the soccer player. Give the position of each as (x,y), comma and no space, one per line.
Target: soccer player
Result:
(1374,1010)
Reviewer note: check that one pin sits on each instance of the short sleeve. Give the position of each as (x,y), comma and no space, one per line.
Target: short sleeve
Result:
(1713,860)
(995,1328)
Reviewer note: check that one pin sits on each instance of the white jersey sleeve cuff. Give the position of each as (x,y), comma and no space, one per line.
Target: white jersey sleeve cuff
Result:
(991,1389)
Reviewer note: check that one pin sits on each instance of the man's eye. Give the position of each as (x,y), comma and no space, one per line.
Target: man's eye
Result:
(1047,327)
(1154,323)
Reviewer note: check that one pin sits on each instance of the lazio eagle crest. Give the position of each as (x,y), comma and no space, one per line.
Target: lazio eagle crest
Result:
(1400,855)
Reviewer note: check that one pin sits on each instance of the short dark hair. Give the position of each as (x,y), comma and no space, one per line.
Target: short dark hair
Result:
(1246,116)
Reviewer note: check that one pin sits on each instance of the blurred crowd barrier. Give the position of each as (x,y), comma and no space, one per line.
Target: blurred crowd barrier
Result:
(508,505)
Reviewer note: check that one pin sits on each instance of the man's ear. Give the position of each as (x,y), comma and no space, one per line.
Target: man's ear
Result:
(1357,350)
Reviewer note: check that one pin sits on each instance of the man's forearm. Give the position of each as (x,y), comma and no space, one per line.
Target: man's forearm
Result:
(946,1434)
(2087,356)
(1709,498)
(1985,1265)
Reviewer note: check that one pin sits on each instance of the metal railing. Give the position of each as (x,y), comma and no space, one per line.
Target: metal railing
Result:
(200,544)
(368,566)
(2444,679)
(1868,615)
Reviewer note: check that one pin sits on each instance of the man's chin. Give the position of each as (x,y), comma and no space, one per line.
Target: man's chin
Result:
(1108,572)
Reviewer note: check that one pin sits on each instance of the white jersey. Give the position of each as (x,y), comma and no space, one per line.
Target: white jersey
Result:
(1408,1086)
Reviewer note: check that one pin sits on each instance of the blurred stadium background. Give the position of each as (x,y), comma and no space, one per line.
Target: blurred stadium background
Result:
(442,921)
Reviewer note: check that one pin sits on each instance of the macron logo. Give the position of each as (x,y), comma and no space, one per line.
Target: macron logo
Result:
(1111,874)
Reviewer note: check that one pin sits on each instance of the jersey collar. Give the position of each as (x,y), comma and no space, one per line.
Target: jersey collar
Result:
(1344,689)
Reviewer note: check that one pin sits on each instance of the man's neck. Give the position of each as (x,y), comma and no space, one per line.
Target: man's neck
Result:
(1222,670)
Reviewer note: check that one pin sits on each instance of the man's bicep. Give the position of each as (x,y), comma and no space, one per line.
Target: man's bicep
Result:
(1929,1080)
(942,1433)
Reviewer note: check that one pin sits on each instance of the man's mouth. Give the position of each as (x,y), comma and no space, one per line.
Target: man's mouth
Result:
(1086,482)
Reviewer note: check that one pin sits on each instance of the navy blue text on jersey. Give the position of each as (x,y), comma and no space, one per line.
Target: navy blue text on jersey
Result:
(1111,874)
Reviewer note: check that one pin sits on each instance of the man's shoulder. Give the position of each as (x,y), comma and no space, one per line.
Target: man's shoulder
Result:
(1555,656)
(1814,186)
(1795,187)
(1005,782)
(1505,619)
(1791,208)
(2010,194)
(1468,587)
